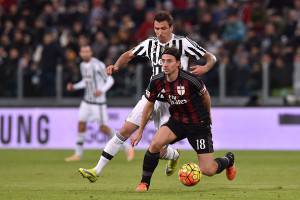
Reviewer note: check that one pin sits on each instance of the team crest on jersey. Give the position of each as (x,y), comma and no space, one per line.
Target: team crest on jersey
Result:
(180,90)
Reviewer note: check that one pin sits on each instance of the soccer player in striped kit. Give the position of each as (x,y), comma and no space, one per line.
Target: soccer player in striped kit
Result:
(190,118)
(152,48)
(95,83)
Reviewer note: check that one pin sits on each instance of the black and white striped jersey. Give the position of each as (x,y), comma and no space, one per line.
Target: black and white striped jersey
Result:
(94,77)
(153,49)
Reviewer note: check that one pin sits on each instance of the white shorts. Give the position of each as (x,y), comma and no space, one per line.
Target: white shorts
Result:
(93,112)
(160,113)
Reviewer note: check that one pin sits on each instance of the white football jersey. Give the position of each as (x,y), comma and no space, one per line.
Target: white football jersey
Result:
(94,77)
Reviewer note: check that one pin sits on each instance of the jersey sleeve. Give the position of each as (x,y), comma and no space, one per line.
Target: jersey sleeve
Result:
(108,80)
(191,48)
(151,92)
(199,86)
(142,49)
(81,84)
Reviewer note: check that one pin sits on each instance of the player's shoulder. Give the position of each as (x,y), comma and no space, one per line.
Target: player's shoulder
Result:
(158,77)
(190,77)
(187,74)
(178,37)
(97,61)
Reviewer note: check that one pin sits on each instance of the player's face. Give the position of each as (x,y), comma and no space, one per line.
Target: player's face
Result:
(163,31)
(85,53)
(169,64)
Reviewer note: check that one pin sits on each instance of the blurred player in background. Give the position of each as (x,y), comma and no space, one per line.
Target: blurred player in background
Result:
(152,48)
(190,118)
(93,107)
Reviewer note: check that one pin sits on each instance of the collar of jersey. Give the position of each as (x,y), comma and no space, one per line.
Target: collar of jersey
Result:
(164,44)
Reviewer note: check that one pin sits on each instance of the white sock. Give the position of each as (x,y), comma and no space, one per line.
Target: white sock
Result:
(125,145)
(112,147)
(79,144)
(171,154)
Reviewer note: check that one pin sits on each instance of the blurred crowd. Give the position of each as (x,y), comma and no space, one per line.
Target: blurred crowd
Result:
(246,36)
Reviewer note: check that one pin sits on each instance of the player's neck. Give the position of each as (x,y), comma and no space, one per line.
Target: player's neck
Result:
(173,76)
(167,40)
(87,60)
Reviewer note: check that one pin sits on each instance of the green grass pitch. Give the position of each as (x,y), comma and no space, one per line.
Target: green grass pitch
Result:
(43,174)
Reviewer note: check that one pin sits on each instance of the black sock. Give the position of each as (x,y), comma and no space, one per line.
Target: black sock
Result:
(149,165)
(106,155)
(223,163)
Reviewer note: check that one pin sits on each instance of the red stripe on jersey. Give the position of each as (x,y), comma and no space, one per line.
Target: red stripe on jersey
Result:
(190,107)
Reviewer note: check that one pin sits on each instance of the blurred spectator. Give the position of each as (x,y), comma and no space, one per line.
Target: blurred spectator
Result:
(146,28)
(51,55)
(234,30)
(281,77)
(10,72)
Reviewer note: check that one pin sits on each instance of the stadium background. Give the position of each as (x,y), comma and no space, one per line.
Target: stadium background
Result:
(255,87)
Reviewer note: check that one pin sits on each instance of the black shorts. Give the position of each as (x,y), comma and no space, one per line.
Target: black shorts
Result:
(199,136)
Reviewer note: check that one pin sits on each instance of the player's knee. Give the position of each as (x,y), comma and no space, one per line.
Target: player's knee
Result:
(125,132)
(155,147)
(81,127)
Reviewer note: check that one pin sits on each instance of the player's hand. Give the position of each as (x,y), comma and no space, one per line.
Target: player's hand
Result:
(70,87)
(135,139)
(98,93)
(111,69)
(199,70)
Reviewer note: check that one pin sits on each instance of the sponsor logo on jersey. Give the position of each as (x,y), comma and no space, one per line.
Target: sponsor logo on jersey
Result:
(174,101)
(161,94)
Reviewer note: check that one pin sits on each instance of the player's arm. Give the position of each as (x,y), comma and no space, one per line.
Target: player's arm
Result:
(191,48)
(139,50)
(77,86)
(121,62)
(147,111)
(202,69)
(108,80)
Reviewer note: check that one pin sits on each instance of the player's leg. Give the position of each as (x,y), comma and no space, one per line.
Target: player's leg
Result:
(163,137)
(200,138)
(160,116)
(79,143)
(83,116)
(128,149)
(111,148)
(210,166)
(114,145)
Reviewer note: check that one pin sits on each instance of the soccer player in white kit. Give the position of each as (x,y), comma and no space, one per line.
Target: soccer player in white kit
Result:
(152,48)
(93,107)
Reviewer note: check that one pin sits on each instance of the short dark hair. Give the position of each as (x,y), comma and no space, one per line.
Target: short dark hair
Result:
(164,16)
(173,51)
